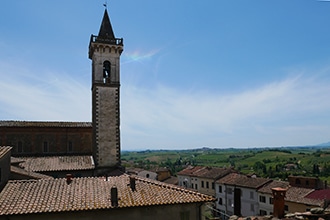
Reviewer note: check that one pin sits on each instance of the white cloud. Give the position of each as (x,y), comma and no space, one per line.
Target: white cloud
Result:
(288,112)
(42,95)
(168,113)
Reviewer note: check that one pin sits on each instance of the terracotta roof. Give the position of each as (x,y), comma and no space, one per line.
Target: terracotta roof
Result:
(4,150)
(189,170)
(44,124)
(92,193)
(212,172)
(298,195)
(15,160)
(205,172)
(57,163)
(319,194)
(171,180)
(28,175)
(267,188)
(243,181)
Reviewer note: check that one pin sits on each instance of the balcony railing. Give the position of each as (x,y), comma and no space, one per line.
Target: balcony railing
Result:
(100,39)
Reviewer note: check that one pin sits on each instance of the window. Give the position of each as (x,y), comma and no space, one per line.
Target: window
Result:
(70,146)
(202,184)
(263,212)
(298,181)
(262,199)
(196,186)
(252,207)
(270,200)
(251,195)
(286,208)
(212,185)
(230,203)
(45,147)
(220,201)
(307,183)
(192,185)
(230,191)
(106,70)
(20,147)
(207,184)
(220,189)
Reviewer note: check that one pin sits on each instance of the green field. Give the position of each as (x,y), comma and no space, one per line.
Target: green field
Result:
(275,163)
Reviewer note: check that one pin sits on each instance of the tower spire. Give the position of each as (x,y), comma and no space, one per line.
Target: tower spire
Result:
(106,31)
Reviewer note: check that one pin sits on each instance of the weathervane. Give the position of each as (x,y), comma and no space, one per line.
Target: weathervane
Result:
(105,5)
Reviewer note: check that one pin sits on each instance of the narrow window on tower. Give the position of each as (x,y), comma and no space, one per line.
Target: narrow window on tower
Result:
(106,71)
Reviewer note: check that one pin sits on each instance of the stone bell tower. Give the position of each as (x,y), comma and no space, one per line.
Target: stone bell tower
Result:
(105,51)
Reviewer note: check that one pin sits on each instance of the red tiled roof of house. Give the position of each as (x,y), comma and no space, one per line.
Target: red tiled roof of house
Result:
(205,172)
(44,124)
(299,195)
(57,163)
(212,172)
(4,150)
(189,170)
(319,194)
(28,175)
(92,193)
(243,180)
(267,188)
(171,180)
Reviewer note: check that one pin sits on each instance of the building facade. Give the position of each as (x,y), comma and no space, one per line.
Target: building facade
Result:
(237,194)
(31,138)
(202,179)
(265,196)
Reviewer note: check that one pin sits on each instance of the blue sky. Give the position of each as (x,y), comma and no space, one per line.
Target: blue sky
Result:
(193,73)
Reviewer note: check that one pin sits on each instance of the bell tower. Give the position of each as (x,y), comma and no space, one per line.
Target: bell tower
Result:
(105,51)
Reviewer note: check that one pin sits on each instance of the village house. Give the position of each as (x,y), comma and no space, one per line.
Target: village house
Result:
(245,195)
(237,194)
(265,196)
(202,179)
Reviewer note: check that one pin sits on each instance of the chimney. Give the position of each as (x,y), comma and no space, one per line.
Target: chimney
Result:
(68,178)
(278,205)
(132,183)
(114,196)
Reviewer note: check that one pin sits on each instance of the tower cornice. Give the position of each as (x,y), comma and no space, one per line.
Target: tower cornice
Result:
(95,43)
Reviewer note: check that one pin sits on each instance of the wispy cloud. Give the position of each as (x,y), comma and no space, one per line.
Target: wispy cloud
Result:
(272,109)
(286,111)
(42,95)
